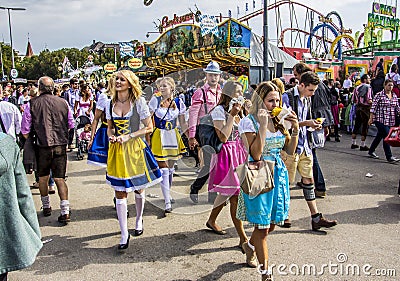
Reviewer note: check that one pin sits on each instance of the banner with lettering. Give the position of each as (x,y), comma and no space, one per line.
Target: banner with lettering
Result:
(208,24)
(126,49)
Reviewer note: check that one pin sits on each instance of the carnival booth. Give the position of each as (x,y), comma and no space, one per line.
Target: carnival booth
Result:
(190,46)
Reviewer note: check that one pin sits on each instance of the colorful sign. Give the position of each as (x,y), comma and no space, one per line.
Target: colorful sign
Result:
(135,63)
(382,9)
(166,22)
(384,22)
(110,67)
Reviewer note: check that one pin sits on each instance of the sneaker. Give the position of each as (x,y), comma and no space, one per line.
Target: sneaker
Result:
(373,155)
(64,218)
(47,212)
(251,259)
(393,160)
(364,148)
(323,222)
(354,146)
(35,185)
(320,194)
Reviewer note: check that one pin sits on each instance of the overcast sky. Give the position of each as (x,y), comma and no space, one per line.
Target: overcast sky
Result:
(55,24)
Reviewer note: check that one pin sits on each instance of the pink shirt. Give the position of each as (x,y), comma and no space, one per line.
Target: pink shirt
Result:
(197,110)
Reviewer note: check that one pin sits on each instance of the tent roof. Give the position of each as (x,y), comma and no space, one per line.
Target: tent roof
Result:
(274,54)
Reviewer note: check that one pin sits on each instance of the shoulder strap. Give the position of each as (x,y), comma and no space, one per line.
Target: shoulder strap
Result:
(110,109)
(204,100)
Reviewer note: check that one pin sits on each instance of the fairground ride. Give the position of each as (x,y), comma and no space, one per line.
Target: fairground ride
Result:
(307,28)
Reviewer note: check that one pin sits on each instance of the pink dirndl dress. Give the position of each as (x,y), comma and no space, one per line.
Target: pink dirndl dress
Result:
(223,178)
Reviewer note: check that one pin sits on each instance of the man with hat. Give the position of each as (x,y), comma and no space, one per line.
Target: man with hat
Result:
(204,100)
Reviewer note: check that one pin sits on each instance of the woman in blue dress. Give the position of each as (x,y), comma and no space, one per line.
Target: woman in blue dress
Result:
(264,138)
(130,165)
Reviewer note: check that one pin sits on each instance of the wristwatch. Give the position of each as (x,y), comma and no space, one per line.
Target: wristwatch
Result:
(131,135)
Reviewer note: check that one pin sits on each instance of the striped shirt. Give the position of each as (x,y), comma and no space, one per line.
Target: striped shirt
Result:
(385,109)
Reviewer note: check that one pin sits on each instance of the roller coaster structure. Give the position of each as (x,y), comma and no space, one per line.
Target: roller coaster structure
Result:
(318,44)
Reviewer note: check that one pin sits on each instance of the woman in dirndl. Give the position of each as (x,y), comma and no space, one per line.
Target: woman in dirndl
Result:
(166,142)
(98,144)
(264,138)
(130,165)
(223,178)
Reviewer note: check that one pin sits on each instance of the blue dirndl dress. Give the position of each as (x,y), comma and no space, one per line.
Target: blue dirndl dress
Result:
(273,206)
(97,154)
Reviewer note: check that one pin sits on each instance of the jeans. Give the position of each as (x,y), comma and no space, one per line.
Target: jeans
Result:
(319,180)
(383,131)
(204,172)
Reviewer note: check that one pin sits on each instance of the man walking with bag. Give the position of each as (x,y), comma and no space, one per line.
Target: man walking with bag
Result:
(50,117)
(204,100)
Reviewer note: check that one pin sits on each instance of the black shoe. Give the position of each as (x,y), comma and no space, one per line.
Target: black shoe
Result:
(194,195)
(167,211)
(115,204)
(138,232)
(373,155)
(354,146)
(364,148)
(337,140)
(124,246)
(328,138)
(64,218)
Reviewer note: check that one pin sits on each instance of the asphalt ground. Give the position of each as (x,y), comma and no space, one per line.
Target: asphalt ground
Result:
(364,245)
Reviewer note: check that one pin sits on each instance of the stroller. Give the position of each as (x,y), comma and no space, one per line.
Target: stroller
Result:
(82,145)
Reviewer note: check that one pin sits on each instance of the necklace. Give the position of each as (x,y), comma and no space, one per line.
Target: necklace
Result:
(122,101)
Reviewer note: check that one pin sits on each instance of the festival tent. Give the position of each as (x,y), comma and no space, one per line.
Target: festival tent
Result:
(279,62)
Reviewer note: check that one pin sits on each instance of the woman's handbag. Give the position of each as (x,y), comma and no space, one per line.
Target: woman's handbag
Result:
(393,138)
(256,177)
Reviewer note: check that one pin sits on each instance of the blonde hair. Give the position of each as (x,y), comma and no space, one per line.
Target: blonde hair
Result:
(263,89)
(170,81)
(281,87)
(135,91)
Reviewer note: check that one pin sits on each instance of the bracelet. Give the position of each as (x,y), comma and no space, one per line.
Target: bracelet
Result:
(295,133)
(131,135)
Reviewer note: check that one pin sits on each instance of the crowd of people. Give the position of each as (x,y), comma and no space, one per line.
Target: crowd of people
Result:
(139,141)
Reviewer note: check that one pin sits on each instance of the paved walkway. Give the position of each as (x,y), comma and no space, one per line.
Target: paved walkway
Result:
(180,247)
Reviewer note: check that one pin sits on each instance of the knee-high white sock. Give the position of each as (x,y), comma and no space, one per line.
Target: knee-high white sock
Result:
(165,187)
(45,201)
(122,207)
(171,175)
(139,204)
(64,206)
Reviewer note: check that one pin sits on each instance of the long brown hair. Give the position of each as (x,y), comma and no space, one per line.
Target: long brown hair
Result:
(262,90)
(226,97)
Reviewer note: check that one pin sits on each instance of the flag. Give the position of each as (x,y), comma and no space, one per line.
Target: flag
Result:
(126,49)
(247,7)
(208,24)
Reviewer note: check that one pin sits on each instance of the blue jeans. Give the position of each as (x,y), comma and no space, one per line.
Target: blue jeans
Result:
(383,131)
(319,181)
